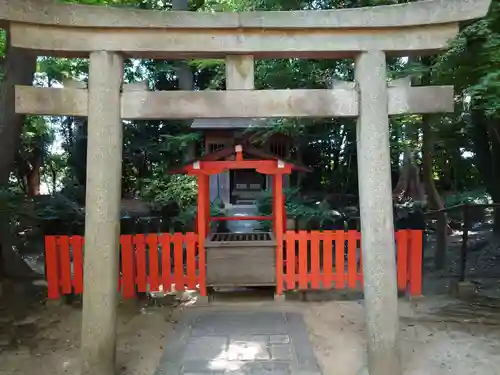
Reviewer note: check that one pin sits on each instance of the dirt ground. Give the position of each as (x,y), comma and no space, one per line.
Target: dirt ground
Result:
(438,336)
(47,341)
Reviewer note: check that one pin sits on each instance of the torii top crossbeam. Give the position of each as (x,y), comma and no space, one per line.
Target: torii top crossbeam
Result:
(76,30)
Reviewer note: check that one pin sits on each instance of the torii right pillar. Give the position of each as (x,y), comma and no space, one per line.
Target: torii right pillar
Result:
(377,224)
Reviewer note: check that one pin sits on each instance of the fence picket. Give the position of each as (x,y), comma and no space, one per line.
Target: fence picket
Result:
(340,259)
(128,274)
(352,261)
(178,262)
(328,259)
(140,259)
(77,246)
(52,267)
(360,277)
(315,257)
(291,259)
(65,265)
(166,264)
(402,258)
(416,262)
(302,237)
(190,240)
(154,277)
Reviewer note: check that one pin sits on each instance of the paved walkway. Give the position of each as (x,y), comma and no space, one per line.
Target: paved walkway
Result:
(239,343)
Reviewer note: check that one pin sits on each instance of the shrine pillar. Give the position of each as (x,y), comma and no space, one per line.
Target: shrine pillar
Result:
(278,206)
(376,212)
(203,222)
(102,215)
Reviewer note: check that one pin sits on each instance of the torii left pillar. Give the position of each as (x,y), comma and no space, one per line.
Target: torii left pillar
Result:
(102,215)
(377,223)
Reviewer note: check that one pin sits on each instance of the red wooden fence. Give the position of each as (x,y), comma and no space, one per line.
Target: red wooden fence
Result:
(156,262)
(311,263)
(147,263)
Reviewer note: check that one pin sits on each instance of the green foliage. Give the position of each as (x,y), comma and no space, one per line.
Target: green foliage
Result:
(296,207)
(181,189)
(37,134)
(479,196)
(473,61)
(132,3)
(60,69)
(3,46)
(2,43)
(186,217)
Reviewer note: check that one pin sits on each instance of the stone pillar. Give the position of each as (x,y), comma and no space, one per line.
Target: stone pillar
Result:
(239,76)
(239,72)
(377,225)
(102,218)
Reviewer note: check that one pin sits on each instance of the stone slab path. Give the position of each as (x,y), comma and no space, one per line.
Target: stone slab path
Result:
(239,343)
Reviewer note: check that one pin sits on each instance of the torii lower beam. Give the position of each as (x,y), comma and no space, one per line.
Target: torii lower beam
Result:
(149,105)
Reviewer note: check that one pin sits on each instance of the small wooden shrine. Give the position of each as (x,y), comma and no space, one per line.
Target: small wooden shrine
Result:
(242,186)
(244,258)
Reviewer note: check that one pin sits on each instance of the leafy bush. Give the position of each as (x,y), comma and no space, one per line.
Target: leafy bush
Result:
(296,207)
(181,189)
(471,197)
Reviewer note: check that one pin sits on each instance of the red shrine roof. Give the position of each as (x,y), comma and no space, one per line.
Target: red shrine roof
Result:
(247,150)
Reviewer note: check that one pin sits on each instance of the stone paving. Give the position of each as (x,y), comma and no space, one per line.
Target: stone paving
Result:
(239,343)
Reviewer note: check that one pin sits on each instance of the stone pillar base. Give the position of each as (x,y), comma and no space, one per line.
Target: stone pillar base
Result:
(279,297)
(202,300)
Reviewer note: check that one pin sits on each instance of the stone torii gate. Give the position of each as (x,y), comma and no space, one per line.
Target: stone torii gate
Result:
(108,35)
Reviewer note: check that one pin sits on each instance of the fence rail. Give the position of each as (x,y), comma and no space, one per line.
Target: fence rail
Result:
(442,234)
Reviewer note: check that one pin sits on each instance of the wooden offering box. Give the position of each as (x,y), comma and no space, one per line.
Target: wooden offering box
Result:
(241,259)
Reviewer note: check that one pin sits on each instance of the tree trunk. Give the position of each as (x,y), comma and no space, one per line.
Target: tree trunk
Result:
(487,157)
(300,160)
(33,175)
(494,131)
(18,68)
(434,200)
(409,185)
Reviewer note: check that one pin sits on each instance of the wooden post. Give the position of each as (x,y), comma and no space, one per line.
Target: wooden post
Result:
(284,211)
(442,240)
(207,205)
(273,199)
(102,216)
(416,261)
(465,240)
(278,230)
(202,230)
